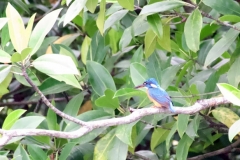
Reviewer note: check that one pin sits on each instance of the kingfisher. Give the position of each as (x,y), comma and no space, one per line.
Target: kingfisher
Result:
(156,94)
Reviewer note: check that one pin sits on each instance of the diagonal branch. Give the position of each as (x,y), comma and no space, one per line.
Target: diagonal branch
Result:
(45,100)
(217,152)
(134,116)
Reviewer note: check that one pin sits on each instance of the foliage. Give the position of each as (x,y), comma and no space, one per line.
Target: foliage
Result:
(95,52)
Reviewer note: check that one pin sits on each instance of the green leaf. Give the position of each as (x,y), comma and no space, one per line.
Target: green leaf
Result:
(230,93)
(170,135)
(233,75)
(101,16)
(139,26)
(3,21)
(159,135)
(73,10)
(73,105)
(138,73)
(91,5)
(192,30)
(20,153)
(54,64)
(110,147)
(183,147)
(193,127)
(84,49)
(150,42)
(162,6)
(234,130)
(230,18)
(169,72)
(65,152)
(182,123)
(129,92)
(41,30)
(12,118)
(128,4)
(16,29)
(36,152)
(68,79)
(155,24)
(204,49)
(107,100)
(225,116)
(164,41)
(125,38)
(4,71)
(99,78)
(4,57)
(224,6)
(124,133)
(52,119)
(153,66)
(114,18)
(222,45)
(68,52)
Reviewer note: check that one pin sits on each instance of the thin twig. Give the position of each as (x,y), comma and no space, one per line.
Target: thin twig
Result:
(59,99)
(217,152)
(45,100)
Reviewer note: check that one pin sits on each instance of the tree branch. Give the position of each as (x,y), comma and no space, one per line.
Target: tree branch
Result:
(134,116)
(45,100)
(217,152)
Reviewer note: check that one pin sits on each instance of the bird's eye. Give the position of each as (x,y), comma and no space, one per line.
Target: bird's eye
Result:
(144,83)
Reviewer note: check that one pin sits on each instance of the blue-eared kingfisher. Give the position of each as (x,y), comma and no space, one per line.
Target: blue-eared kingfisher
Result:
(156,94)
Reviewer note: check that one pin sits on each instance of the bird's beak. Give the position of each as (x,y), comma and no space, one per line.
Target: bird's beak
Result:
(140,86)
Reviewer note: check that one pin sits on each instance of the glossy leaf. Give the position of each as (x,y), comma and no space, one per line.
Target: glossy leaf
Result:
(234,130)
(222,45)
(182,124)
(138,73)
(101,16)
(150,42)
(114,18)
(192,30)
(91,5)
(74,10)
(230,18)
(99,78)
(52,119)
(124,133)
(4,71)
(12,118)
(55,64)
(65,152)
(128,4)
(4,57)
(225,116)
(230,93)
(159,135)
(156,24)
(164,41)
(37,152)
(129,92)
(224,6)
(16,29)
(233,74)
(162,6)
(107,100)
(3,21)
(85,48)
(41,30)
(183,147)
(20,153)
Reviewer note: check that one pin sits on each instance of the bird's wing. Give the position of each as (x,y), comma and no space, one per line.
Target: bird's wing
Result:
(160,97)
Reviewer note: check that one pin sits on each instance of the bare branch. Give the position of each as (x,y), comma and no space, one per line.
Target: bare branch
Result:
(217,152)
(134,116)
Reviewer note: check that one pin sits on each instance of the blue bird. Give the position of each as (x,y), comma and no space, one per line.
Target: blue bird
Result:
(156,94)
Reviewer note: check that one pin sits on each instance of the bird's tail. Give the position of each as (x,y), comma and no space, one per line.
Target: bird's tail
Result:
(171,107)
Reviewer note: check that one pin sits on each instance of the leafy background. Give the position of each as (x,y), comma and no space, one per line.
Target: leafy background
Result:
(86,56)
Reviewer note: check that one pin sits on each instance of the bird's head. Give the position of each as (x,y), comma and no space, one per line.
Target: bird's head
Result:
(150,83)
